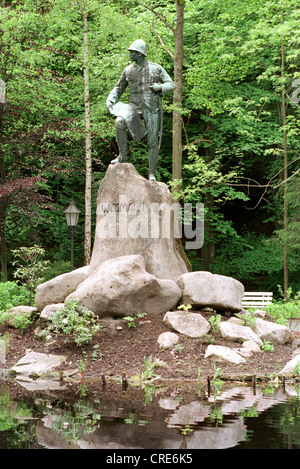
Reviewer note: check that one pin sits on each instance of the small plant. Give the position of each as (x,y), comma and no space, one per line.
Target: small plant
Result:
(75,321)
(96,354)
(297,369)
(20,321)
(131,319)
(179,348)
(215,322)
(148,374)
(247,319)
(217,382)
(185,307)
(199,373)
(267,346)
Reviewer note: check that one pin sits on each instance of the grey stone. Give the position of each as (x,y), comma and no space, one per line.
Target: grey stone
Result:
(289,368)
(45,315)
(251,345)
(37,364)
(272,332)
(167,340)
(57,289)
(223,354)
(206,289)
(129,223)
(190,324)
(12,315)
(122,287)
(238,333)
(296,352)
(262,315)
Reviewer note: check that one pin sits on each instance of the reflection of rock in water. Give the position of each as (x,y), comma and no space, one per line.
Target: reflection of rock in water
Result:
(221,437)
(163,426)
(189,414)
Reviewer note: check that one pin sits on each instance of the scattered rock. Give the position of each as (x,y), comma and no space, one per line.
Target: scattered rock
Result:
(236,320)
(206,289)
(224,354)
(238,333)
(137,217)
(262,315)
(251,345)
(190,324)
(272,332)
(111,326)
(57,289)
(296,352)
(122,287)
(289,368)
(12,315)
(48,310)
(37,364)
(167,340)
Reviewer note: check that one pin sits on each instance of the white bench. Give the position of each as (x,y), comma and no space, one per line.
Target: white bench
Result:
(256,299)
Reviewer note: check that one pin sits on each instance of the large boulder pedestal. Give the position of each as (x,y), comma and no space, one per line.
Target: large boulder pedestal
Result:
(137,217)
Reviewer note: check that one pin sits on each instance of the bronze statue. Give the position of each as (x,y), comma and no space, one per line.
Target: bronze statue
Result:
(147,82)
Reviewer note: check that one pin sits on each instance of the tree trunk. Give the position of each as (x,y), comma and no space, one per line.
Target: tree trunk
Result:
(285,150)
(177,96)
(88,145)
(3,206)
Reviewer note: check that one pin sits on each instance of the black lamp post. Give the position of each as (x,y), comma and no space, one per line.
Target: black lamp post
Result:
(72,215)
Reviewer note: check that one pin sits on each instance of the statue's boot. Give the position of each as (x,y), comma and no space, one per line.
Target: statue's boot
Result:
(153,159)
(122,142)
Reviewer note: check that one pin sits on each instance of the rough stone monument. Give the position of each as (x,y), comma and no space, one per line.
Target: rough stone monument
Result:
(137,217)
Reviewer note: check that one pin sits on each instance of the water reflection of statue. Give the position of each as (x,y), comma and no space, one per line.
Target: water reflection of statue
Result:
(147,82)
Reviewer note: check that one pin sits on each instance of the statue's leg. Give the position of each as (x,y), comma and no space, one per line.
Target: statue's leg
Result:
(121,134)
(152,124)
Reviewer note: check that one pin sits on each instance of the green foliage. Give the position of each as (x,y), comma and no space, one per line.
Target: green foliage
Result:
(76,322)
(282,311)
(12,294)
(131,319)
(247,319)
(148,374)
(30,266)
(267,346)
(185,307)
(214,321)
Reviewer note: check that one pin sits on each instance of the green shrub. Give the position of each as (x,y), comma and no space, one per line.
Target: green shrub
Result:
(75,321)
(282,311)
(12,294)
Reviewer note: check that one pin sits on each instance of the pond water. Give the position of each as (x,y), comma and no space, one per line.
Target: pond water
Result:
(178,418)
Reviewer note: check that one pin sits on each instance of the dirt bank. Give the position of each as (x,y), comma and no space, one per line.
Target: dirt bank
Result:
(114,352)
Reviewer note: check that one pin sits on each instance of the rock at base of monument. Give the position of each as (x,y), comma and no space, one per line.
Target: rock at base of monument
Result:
(57,289)
(206,289)
(122,287)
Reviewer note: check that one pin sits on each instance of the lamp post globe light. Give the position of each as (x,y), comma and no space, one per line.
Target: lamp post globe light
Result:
(72,216)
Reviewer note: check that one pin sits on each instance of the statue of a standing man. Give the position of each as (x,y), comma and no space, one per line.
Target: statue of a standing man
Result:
(147,82)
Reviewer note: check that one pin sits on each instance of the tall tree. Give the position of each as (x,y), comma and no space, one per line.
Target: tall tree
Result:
(88,143)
